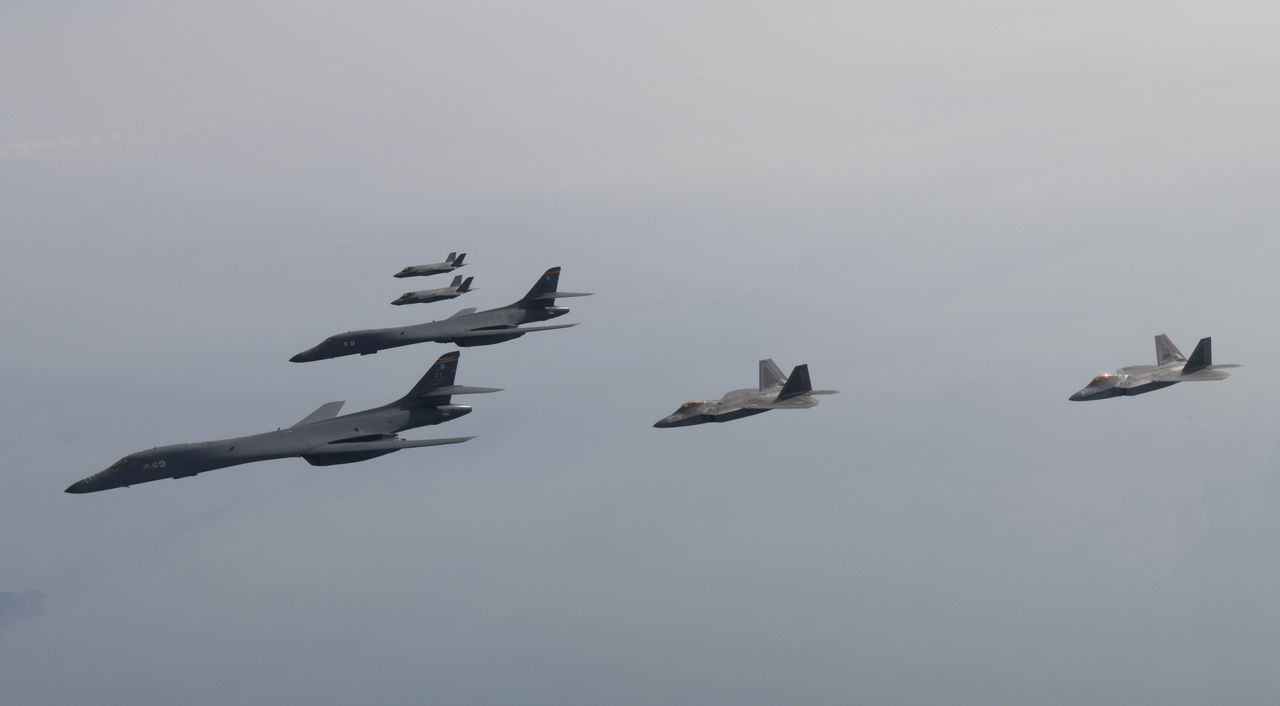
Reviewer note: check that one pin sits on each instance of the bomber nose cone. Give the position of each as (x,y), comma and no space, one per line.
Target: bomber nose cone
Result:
(80,486)
(302,357)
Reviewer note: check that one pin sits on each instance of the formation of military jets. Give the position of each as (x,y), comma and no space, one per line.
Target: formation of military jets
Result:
(325,438)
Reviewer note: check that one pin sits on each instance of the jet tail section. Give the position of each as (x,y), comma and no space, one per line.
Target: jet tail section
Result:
(1201,358)
(439,375)
(770,375)
(437,385)
(797,383)
(457,262)
(452,256)
(466,285)
(1166,352)
(457,281)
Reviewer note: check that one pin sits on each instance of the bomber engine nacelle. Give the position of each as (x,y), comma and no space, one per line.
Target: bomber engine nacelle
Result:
(340,458)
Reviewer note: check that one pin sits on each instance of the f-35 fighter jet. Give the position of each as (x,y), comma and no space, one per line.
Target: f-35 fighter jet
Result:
(322,438)
(774,392)
(465,328)
(1170,369)
(425,296)
(451,263)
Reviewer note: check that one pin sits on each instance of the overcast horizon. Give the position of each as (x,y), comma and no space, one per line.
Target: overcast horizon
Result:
(956,215)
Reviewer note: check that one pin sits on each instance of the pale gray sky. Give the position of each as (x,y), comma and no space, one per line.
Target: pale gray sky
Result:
(956,213)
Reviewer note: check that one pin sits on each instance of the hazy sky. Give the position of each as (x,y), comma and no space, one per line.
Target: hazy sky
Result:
(956,213)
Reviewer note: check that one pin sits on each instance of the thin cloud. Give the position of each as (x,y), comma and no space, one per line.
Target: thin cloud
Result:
(16,607)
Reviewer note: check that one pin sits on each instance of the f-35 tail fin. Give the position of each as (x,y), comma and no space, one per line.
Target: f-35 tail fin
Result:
(1201,358)
(1166,352)
(452,256)
(457,282)
(770,375)
(457,262)
(466,285)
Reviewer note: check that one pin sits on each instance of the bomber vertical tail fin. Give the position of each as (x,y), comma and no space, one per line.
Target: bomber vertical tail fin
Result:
(437,385)
(1201,358)
(770,375)
(1166,352)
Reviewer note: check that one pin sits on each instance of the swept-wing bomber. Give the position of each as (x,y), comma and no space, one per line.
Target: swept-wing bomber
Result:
(1171,368)
(456,288)
(322,438)
(465,328)
(451,263)
(775,391)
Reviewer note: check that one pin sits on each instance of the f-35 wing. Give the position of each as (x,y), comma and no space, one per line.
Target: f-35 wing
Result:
(328,410)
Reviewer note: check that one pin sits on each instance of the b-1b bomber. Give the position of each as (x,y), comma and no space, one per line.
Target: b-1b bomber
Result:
(322,438)
(1171,368)
(775,391)
(465,328)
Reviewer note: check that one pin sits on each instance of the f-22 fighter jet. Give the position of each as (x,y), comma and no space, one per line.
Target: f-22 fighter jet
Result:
(1170,369)
(322,438)
(451,263)
(465,328)
(775,392)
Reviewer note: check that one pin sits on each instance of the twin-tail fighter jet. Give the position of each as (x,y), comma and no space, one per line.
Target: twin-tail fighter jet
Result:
(465,328)
(322,438)
(451,263)
(455,289)
(1170,369)
(775,392)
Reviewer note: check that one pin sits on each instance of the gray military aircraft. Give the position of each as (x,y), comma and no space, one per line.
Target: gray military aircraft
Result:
(775,392)
(451,263)
(465,328)
(456,288)
(322,438)
(1170,369)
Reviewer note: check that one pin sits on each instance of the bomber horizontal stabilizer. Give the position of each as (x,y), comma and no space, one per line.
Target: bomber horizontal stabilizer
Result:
(559,295)
(457,390)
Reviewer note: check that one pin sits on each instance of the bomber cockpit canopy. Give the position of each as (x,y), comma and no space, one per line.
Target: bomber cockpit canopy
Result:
(1103,379)
(121,463)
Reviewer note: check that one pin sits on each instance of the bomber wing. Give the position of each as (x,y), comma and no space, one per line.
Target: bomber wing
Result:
(482,333)
(328,410)
(381,445)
